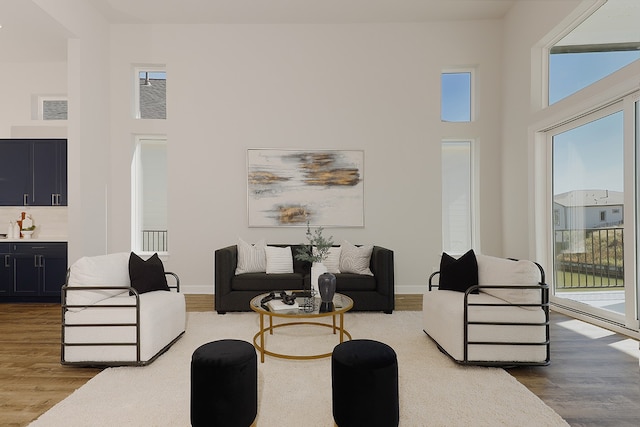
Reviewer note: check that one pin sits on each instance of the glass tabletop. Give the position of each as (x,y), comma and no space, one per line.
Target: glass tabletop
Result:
(304,306)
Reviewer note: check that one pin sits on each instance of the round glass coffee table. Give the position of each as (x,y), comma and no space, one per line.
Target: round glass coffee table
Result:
(341,304)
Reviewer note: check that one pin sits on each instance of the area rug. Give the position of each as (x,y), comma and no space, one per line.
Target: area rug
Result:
(434,391)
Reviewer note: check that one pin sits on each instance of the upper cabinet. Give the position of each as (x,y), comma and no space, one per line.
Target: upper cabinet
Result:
(15,172)
(33,172)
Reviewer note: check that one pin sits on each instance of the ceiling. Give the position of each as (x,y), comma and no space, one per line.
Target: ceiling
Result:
(29,34)
(300,11)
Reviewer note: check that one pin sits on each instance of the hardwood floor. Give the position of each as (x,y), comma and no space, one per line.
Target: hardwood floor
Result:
(593,379)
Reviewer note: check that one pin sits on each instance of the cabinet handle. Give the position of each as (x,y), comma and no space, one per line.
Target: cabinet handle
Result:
(6,261)
(53,199)
(38,261)
(25,199)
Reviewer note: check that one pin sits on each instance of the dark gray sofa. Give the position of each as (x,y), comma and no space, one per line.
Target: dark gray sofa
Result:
(369,293)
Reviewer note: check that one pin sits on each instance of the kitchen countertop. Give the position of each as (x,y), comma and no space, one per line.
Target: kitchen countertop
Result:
(43,239)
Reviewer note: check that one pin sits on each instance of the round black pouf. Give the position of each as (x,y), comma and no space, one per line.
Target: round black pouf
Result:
(224,384)
(364,376)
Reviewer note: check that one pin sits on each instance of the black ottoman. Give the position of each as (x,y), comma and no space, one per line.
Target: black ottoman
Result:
(224,384)
(364,376)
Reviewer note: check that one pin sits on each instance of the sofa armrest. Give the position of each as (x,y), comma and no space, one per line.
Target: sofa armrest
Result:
(176,279)
(226,261)
(431,277)
(75,307)
(381,266)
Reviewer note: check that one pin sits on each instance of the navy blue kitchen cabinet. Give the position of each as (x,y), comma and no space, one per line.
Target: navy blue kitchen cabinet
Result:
(33,172)
(15,171)
(6,269)
(33,271)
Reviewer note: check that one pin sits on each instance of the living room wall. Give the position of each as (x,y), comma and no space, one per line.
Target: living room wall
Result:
(374,87)
(371,87)
(527,26)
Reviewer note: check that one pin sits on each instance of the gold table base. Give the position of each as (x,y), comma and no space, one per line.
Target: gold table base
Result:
(261,346)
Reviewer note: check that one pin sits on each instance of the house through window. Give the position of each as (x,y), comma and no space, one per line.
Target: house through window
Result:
(151,93)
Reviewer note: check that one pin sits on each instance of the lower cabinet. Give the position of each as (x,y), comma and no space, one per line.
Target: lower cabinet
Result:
(33,271)
(6,269)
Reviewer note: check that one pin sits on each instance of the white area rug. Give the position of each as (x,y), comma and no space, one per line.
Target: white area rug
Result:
(434,391)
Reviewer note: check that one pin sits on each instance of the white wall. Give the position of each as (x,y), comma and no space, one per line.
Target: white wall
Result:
(19,84)
(231,87)
(526,24)
(88,125)
(369,87)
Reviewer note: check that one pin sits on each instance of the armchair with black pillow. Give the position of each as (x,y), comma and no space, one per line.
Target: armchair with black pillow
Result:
(119,309)
(488,311)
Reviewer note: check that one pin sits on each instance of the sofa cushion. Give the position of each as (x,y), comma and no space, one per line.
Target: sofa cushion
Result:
(355,282)
(279,260)
(147,276)
(251,258)
(443,320)
(102,270)
(333,260)
(458,274)
(266,282)
(501,271)
(162,318)
(355,259)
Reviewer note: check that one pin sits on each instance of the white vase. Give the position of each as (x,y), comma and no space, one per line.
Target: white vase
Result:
(317,268)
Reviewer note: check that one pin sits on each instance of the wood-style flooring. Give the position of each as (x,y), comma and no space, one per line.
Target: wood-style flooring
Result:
(593,379)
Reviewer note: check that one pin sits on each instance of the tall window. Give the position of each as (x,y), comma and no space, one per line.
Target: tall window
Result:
(151,93)
(592,241)
(605,42)
(456,96)
(149,193)
(588,180)
(457,197)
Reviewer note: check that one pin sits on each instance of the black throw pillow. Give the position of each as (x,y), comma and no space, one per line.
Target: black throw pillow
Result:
(147,276)
(458,274)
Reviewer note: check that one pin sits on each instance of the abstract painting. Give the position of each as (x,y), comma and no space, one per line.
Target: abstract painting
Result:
(291,187)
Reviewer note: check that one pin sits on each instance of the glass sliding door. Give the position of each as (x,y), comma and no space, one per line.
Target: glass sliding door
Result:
(595,213)
(588,212)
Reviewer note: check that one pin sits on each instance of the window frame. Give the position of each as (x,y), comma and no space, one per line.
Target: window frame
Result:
(136,195)
(44,98)
(136,86)
(472,89)
(474,236)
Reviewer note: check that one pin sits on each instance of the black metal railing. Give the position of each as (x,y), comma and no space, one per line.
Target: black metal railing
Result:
(589,258)
(155,241)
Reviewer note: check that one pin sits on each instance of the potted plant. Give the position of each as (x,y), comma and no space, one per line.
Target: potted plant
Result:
(318,248)
(315,252)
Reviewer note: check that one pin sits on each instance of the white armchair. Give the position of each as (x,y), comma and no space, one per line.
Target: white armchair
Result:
(501,321)
(107,322)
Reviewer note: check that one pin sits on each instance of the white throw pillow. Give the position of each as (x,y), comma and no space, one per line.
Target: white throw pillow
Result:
(279,260)
(251,258)
(354,259)
(502,271)
(102,270)
(333,260)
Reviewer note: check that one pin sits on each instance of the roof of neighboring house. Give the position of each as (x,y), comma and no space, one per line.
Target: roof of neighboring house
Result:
(584,198)
(153,104)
